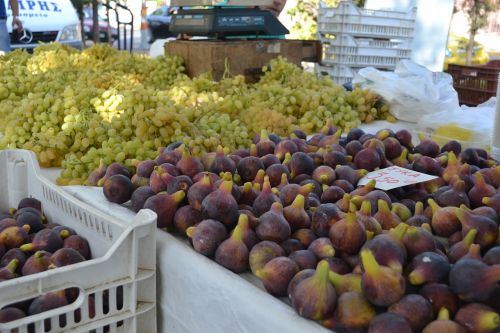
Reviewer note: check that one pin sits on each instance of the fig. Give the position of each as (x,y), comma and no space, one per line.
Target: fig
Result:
(262,253)
(348,234)
(10,314)
(322,248)
(301,163)
(79,244)
(248,235)
(444,219)
(283,147)
(354,312)
(114,169)
(472,280)
(44,240)
(206,236)
(265,199)
(349,174)
(189,165)
(304,236)
(233,252)
(139,197)
(38,262)
(455,196)
(49,301)
(440,296)
(480,190)
(248,168)
(492,256)
(273,225)
(344,283)
(305,259)
(164,205)
(277,274)
(428,267)
(314,297)
(95,175)
(11,254)
(427,147)
(443,324)
(275,173)
(428,165)
(65,257)
(289,192)
(460,248)
(487,229)
(299,277)
(222,163)
(418,217)
(387,251)
(389,322)
(418,240)
(296,215)
(186,217)
(324,217)
(14,236)
(291,245)
(415,309)
(33,220)
(381,285)
(9,271)
(385,217)
(161,180)
(469,156)
(332,194)
(478,318)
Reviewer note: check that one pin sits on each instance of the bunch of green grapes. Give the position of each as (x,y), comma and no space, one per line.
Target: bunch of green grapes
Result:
(75,109)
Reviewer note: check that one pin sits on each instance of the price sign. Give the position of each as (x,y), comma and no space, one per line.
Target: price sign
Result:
(394,177)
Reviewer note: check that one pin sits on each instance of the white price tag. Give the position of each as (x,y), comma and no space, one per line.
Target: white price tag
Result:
(394,177)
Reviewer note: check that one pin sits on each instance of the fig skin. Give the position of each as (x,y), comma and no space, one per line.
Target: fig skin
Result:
(389,322)
(415,309)
(164,205)
(10,314)
(381,285)
(46,240)
(65,257)
(185,217)
(38,262)
(314,297)
(476,317)
(277,274)
(440,296)
(354,312)
(262,253)
(206,236)
(273,225)
(299,277)
(304,236)
(348,235)
(443,324)
(305,259)
(322,248)
(118,189)
(428,267)
(79,244)
(233,253)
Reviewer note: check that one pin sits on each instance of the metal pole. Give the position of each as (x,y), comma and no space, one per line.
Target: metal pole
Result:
(495,149)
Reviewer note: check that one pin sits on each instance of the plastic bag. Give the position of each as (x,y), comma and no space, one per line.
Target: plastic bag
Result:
(471,126)
(412,91)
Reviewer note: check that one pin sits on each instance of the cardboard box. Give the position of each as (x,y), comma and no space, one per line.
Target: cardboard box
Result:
(245,57)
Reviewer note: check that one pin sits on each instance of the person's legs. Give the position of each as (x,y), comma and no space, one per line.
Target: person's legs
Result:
(4,37)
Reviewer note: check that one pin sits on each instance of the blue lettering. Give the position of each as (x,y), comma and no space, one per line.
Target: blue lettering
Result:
(31,4)
(55,8)
(21,5)
(43,5)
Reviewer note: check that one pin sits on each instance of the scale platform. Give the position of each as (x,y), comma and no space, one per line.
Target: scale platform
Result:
(228,20)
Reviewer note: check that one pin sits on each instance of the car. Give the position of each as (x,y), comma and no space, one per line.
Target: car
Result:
(88,23)
(159,22)
(45,22)
(456,52)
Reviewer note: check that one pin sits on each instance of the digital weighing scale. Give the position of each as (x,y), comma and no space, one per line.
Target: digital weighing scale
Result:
(223,19)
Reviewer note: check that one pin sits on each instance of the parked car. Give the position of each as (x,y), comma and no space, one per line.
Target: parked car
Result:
(46,22)
(159,22)
(88,23)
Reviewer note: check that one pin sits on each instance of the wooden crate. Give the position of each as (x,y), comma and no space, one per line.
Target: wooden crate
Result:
(245,57)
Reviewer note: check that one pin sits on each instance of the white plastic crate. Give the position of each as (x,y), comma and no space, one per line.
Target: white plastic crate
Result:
(379,62)
(347,45)
(123,259)
(347,18)
(339,74)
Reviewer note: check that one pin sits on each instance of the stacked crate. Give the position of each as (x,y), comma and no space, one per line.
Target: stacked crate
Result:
(353,38)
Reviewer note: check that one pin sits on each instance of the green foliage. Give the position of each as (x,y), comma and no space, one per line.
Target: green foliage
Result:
(304,16)
(477,12)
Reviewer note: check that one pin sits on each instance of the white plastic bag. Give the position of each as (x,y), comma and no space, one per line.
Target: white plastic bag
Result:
(471,126)
(412,91)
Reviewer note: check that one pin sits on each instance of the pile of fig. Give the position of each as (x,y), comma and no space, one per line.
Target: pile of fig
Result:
(30,244)
(419,258)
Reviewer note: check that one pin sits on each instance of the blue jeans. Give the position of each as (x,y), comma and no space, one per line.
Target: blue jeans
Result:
(4,37)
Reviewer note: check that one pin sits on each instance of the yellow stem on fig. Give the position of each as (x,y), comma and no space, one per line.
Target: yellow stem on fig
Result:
(427,227)
(190,231)
(370,265)
(383,206)
(369,235)
(247,187)
(238,232)
(179,196)
(12,211)
(416,277)
(277,207)
(64,234)
(275,191)
(489,321)
(444,314)
(226,186)
(419,208)
(399,231)
(237,178)
(469,237)
(306,189)
(26,228)
(12,265)
(350,218)
(253,150)
(479,179)
(322,270)
(323,179)
(264,135)
(298,202)
(266,187)
(257,187)
(366,208)
(243,221)
(287,159)
(434,206)
(26,247)
(261,274)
